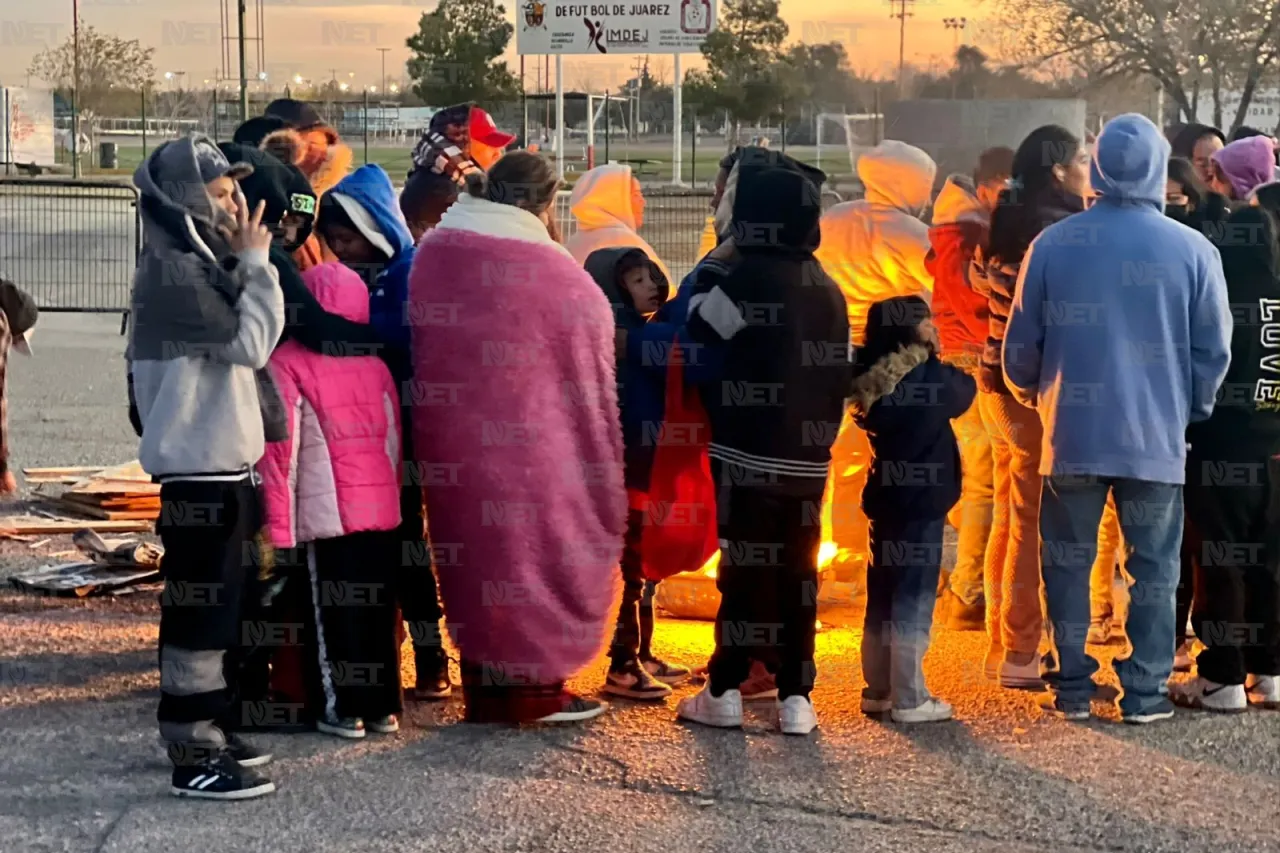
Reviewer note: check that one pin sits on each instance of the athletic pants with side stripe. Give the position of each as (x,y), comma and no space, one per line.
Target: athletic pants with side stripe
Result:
(353,597)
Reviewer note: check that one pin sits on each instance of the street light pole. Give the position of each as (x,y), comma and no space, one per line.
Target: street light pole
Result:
(383,51)
(900,12)
(75,88)
(956,25)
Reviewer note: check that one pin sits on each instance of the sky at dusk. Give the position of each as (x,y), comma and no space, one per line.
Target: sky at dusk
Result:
(324,39)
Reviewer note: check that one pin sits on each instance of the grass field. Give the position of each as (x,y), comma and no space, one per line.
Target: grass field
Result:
(652,160)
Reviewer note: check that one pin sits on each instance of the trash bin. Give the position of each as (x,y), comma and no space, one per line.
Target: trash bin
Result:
(108,155)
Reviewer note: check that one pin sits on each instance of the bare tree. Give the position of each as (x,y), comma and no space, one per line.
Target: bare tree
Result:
(107,62)
(1188,46)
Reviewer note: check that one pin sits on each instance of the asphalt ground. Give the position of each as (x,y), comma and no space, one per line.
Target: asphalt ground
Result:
(80,769)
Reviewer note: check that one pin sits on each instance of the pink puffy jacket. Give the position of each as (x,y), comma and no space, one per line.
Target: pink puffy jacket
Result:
(337,472)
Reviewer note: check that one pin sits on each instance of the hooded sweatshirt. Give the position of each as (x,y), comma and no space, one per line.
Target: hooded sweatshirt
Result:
(370,202)
(1248,164)
(604,209)
(203,321)
(1120,330)
(875,248)
(640,388)
(782,328)
(960,225)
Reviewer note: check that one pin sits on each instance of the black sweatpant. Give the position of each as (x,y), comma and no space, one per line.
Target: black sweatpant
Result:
(209,605)
(1235,539)
(415,581)
(768,578)
(353,593)
(629,635)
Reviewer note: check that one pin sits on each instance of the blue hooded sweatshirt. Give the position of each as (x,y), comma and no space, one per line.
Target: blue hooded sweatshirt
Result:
(370,188)
(1120,330)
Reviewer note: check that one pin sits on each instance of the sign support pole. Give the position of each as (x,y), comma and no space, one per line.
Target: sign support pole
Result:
(591,131)
(677,126)
(560,152)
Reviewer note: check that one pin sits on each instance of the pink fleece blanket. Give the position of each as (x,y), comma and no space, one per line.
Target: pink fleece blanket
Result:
(516,428)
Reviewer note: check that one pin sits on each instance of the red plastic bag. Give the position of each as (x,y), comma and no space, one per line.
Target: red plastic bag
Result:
(680,532)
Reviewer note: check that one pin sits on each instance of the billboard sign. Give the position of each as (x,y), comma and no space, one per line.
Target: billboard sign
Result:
(28,136)
(675,26)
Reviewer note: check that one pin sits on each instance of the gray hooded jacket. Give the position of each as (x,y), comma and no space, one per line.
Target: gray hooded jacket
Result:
(203,321)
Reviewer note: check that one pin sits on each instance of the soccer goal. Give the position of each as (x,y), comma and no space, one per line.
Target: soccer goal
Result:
(842,135)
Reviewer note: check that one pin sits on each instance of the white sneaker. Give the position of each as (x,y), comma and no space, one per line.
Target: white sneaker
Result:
(796,715)
(877,706)
(1182,660)
(1264,691)
(1209,696)
(1021,676)
(932,711)
(723,712)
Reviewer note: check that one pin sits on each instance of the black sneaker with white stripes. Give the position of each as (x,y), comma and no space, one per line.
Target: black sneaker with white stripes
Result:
(219,778)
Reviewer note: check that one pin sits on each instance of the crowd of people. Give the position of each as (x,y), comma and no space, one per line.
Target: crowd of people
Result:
(369,409)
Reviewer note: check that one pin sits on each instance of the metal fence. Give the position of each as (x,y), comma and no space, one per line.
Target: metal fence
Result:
(674,220)
(72,244)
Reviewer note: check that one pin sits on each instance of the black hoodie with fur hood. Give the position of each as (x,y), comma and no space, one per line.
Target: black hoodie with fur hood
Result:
(905,402)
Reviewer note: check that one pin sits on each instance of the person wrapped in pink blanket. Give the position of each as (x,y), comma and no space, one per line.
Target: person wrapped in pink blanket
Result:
(332,491)
(515,423)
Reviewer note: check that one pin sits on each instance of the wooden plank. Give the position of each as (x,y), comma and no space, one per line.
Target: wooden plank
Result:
(26,525)
(57,472)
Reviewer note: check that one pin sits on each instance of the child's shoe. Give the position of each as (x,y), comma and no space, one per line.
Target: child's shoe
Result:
(351,728)
(433,677)
(388,725)
(760,684)
(221,777)
(723,711)
(668,673)
(796,715)
(634,681)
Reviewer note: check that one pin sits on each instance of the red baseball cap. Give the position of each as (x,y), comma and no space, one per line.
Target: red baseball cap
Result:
(485,131)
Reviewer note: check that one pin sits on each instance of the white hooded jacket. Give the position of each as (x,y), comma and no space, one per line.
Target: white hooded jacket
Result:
(606,218)
(875,248)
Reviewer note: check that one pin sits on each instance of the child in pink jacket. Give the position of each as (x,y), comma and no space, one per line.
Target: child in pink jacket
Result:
(332,491)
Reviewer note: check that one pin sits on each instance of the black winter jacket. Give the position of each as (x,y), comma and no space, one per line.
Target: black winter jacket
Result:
(782,329)
(905,402)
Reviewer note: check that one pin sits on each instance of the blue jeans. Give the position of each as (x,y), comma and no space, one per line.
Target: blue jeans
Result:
(902,588)
(1151,522)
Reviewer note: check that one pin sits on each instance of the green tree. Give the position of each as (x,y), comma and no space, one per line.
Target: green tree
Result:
(107,64)
(746,75)
(456,50)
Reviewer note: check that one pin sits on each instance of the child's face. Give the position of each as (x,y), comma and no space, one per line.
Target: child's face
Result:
(350,246)
(639,284)
(291,228)
(222,192)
